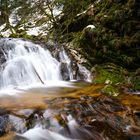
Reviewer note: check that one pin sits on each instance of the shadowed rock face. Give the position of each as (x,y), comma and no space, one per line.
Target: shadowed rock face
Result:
(2,51)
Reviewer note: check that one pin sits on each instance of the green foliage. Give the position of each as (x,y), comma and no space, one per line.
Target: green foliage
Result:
(116,36)
(24,35)
(114,39)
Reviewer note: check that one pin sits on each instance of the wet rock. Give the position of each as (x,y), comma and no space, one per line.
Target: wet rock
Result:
(133,130)
(137,113)
(83,73)
(75,69)
(25,119)
(18,137)
(64,71)
(4,125)
(18,124)
(109,128)
(36,118)
(3,111)
(134,137)
(105,115)
(25,112)
(82,116)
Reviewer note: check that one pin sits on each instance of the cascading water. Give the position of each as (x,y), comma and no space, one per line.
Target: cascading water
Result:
(66,60)
(24,66)
(74,71)
(24,63)
(27,63)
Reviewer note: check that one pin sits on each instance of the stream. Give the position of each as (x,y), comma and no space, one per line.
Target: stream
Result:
(28,74)
(43,97)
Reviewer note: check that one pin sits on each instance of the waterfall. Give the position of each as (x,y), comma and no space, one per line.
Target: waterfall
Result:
(26,63)
(74,71)
(23,63)
(66,60)
(24,66)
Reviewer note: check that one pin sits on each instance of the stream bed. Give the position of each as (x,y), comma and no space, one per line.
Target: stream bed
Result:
(69,113)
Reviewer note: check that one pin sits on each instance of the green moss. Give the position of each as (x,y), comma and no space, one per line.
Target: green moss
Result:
(136,80)
(23,34)
(136,83)
(110,90)
(109,74)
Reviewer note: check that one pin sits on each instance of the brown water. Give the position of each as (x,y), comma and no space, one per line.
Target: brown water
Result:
(66,113)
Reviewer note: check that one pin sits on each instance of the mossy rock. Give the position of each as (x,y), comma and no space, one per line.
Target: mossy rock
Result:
(136,83)
(136,80)
(1,36)
(24,35)
(110,90)
(109,74)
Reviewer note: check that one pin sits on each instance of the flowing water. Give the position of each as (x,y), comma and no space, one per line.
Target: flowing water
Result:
(26,64)
(28,67)
(40,100)
(64,57)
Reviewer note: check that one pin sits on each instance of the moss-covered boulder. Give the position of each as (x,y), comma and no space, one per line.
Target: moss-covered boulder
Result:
(114,77)
(109,74)
(110,90)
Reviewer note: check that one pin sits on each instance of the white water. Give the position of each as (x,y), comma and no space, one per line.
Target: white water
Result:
(86,73)
(38,133)
(28,65)
(65,59)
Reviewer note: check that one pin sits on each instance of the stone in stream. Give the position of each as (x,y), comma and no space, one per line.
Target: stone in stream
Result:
(4,122)
(18,137)
(4,125)
(64,71)
(19,124)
